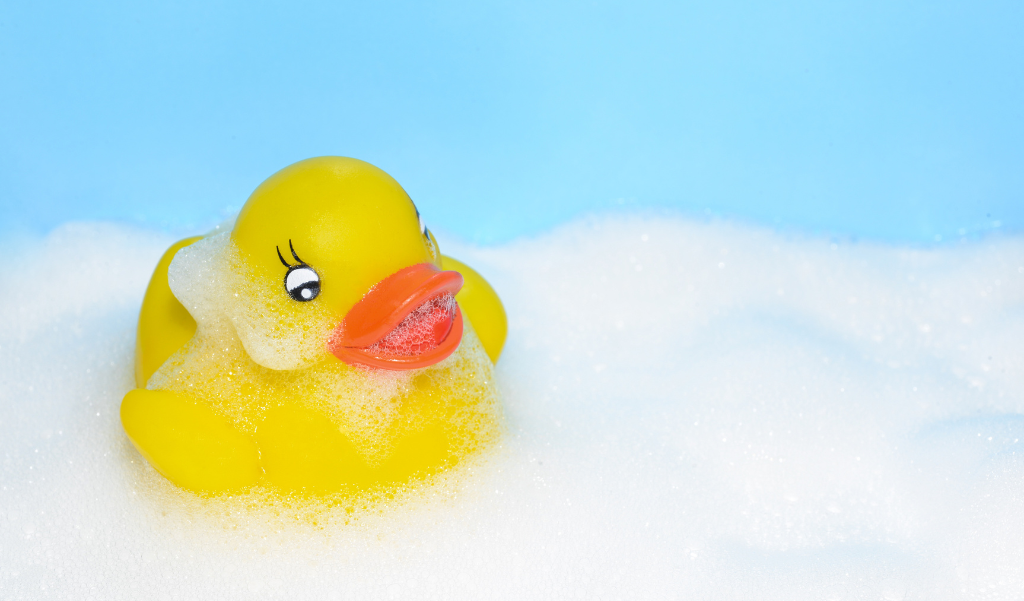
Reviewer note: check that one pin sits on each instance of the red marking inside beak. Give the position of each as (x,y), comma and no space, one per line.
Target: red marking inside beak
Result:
(407,320)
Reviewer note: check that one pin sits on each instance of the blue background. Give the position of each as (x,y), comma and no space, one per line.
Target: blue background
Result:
(888,120)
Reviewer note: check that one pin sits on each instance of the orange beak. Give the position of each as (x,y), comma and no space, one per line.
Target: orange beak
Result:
(408,320)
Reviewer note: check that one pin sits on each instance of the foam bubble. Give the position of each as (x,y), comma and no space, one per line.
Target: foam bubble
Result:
(694,410)
(250,355)
(218,288)
(422,330)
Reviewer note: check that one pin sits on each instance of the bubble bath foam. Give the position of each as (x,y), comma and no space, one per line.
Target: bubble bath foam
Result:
(694,410)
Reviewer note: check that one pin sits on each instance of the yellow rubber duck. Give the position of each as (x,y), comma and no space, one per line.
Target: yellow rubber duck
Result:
(323,345)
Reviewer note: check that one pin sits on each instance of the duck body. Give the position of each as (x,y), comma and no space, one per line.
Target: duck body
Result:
(356,367)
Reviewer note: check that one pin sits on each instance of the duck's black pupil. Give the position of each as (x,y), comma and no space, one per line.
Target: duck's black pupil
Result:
(305,292)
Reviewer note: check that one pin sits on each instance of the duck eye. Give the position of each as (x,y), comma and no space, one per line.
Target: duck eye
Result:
(302,283)
(423,226)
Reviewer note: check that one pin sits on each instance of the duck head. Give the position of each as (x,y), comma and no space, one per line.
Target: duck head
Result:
(329,258)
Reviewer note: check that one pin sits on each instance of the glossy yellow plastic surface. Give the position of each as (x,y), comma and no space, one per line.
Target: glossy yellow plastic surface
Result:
(164,325)
(213,419)
(188,443)
(356,225)
(304,451)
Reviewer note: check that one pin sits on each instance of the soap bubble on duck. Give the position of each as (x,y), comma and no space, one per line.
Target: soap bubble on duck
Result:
(220,290)
(250,348)
(420,330)
(708,410)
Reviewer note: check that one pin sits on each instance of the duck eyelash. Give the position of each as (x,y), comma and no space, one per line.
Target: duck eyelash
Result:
(281,257)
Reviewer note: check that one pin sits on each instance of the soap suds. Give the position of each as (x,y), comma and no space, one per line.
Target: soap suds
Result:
(704,411)
(422,330)
(256,349)
(218,288)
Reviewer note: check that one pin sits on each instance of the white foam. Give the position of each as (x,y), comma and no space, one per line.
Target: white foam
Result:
(215,285)
(695,411)
(423,329)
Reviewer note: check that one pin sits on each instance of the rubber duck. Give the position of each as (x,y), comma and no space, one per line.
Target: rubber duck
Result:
(321,344)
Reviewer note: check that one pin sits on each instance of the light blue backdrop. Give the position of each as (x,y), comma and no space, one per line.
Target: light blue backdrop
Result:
(884,119)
